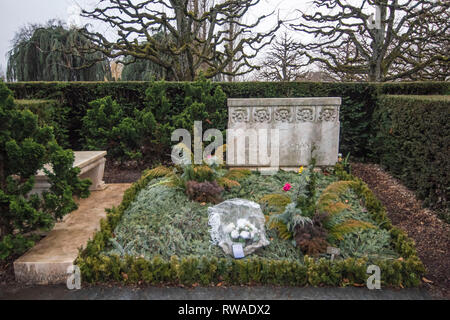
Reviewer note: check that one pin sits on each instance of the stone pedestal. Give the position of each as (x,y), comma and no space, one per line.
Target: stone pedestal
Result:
(92,165)
(291,127)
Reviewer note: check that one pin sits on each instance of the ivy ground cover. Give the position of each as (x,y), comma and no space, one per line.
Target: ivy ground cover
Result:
(161,235)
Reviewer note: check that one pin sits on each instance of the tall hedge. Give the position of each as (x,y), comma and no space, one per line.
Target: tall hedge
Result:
(359,100)
(365,118)
(411,138)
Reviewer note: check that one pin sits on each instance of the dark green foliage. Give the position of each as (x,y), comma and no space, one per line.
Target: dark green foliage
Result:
(145,70)
(307,200)
(163,222)
(106,127)
(359,100)
(369,243)
(24,149)
(411,139)
(46,53)
(158,142)
(50,113)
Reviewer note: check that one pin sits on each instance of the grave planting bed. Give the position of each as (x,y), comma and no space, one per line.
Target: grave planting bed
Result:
(158,235)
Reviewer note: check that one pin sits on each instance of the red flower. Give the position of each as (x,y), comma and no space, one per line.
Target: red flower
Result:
(287,187)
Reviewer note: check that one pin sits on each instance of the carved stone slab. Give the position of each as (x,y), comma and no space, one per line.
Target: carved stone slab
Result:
(302,123)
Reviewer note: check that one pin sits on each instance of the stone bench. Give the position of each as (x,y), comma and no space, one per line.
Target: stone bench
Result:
(92,165)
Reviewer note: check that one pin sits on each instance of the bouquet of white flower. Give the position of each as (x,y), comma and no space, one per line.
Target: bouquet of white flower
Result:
(243,231)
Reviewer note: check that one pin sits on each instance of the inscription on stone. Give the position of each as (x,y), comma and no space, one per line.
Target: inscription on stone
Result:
(292,127)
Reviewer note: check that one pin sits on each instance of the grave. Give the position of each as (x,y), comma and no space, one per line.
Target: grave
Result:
(293,128)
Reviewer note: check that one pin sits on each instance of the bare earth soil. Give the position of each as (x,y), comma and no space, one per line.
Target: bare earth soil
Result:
(118,175)
(432,235)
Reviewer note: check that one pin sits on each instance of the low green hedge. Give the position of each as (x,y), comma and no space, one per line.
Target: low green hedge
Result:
(96,267)
(411,139)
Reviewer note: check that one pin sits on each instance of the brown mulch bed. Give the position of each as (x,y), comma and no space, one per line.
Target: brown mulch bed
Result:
(432,235)
(114,174)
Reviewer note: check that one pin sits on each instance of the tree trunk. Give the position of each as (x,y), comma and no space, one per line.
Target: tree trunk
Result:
(230,65)
(379,41)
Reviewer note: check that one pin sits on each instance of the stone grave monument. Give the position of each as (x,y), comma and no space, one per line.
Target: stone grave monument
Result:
(283,133)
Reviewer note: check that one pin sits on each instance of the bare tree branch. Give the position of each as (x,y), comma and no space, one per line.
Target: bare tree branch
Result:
(284,61)
(197,35)
(410,42)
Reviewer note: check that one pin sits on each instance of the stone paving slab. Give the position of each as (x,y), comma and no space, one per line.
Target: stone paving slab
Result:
(47,262)
(213,293)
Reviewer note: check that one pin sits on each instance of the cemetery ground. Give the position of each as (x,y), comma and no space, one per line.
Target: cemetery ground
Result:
(422,225)
(159,236)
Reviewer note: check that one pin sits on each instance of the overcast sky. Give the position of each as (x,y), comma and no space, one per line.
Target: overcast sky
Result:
(17,13)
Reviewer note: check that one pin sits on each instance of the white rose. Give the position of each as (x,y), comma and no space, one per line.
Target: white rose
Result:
(245,235)
(241,223)
(234,234)
(229,228)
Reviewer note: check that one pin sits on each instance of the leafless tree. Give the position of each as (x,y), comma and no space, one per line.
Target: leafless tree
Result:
(436,43)
(401,45)
(284,61)
(197,36)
